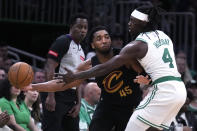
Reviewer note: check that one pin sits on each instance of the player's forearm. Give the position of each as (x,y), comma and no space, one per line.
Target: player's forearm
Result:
(99,70)
(50,70)
(49,76)
(53,86)
(92,72)
(50,86)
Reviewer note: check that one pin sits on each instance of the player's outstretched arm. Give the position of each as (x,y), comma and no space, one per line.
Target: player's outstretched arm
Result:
(57,85)
(134,50)
(102,69)
(53,86)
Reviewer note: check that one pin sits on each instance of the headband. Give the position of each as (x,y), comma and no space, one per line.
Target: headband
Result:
(139,15)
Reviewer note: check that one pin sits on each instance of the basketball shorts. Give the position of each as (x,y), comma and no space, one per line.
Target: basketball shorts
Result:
(160,106)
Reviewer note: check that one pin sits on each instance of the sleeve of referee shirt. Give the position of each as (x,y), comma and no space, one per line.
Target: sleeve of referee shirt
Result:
(59,48)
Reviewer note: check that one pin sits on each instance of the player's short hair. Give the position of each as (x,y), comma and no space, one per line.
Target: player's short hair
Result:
(74,18)
(95,29)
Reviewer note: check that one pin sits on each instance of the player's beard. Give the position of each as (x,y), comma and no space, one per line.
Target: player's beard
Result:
(104,51)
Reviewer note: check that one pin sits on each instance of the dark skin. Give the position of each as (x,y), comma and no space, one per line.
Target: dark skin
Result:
(78,32)
(128,55)
(102,45)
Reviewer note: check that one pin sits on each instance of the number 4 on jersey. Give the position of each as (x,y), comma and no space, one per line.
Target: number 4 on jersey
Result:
(167,58)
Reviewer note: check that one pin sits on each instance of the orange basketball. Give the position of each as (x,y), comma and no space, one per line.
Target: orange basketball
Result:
(20,74)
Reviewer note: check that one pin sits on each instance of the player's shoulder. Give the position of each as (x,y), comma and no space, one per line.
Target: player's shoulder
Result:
(135,44)
(62,42)
(64,37)
(135,49)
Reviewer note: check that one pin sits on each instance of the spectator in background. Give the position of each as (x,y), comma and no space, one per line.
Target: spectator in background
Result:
(4,118)
(88,105)
(39,76)
(192,87)
(96,21)
(20,119)
(5,61)
(3,74)
(182,66)
(185,119)
(1,61)
(82,86)
(117,41)
(3,50)
(32,100)
(8,62)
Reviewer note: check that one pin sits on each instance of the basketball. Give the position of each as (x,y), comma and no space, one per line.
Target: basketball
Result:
(20,74)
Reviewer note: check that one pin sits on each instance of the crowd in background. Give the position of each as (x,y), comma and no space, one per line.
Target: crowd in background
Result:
(31,102)
(14,102)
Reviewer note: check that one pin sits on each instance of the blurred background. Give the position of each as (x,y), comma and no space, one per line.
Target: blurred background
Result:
(29,27)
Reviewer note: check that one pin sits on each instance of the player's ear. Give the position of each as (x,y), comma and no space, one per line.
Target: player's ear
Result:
(143,23)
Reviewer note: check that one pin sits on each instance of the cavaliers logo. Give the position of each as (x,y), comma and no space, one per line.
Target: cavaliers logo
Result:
(107,82)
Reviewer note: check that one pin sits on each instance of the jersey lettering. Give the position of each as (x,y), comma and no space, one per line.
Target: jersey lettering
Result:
(161,42)
(167,58)
(110,88)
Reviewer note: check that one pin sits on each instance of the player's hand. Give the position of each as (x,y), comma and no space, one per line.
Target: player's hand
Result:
(74,110)
(142,80)
(50,103)
(66,78)
(4,118)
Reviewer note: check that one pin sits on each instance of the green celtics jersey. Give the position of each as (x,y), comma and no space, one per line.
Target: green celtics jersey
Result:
(85,115)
